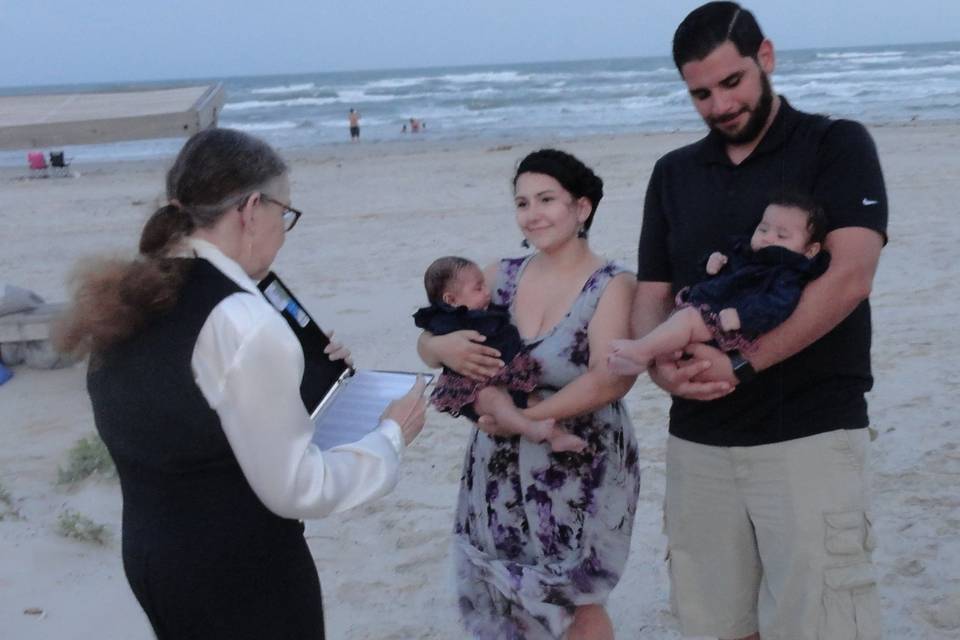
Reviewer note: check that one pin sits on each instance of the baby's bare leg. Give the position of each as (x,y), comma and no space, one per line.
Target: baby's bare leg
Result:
(497,402)
(673,334)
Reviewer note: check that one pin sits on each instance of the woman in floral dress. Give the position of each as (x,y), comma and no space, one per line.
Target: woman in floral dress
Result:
(542,538)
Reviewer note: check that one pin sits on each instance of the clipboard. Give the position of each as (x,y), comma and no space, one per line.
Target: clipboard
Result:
(320,373)
(353,407)
(344,404)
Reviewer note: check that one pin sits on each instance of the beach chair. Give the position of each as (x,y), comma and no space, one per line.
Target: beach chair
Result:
(59,164)
(38,164)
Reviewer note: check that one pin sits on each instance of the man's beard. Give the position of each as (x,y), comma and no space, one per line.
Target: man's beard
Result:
(756,121)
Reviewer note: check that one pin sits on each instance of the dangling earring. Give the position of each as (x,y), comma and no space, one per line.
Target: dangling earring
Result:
(525,243)
(582,232)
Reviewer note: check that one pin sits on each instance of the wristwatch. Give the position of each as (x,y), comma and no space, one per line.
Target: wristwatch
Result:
(741,366)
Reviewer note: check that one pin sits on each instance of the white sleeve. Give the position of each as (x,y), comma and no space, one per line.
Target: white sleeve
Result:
(251,378)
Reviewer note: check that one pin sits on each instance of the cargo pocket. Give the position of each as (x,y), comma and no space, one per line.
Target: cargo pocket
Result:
(852,445)
(848,532)
(851,606)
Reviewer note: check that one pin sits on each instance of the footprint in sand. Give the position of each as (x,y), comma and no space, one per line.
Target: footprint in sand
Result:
(945,613)
(355,590)
(418,538)
(420,561)
(909,568)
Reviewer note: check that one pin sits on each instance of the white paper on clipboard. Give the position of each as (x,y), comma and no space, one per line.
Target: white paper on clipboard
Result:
(354,408)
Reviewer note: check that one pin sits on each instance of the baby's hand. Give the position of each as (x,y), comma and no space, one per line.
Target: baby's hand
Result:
(715,262)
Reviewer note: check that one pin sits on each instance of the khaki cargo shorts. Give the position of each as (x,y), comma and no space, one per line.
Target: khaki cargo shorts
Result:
(775,538)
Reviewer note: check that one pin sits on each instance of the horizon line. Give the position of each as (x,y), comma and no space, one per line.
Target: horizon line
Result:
(182,81)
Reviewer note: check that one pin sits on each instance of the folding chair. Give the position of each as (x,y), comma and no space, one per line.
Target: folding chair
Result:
(59,164)
(38,164)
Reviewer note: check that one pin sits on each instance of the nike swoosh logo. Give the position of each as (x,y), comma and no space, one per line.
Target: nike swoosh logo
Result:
(867,202)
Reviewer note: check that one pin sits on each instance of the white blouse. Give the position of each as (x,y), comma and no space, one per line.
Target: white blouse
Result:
(248,365)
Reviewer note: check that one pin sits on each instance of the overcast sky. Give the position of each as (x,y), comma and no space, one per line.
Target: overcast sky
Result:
(75,41)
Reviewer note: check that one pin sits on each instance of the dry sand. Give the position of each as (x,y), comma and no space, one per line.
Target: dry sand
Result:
(375,216)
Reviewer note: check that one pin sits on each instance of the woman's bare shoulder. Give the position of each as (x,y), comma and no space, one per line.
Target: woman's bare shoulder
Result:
(622,286)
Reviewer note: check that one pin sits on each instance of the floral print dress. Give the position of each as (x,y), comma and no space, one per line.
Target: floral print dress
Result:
(539,533)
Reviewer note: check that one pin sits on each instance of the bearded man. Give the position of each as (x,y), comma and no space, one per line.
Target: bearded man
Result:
(766,507)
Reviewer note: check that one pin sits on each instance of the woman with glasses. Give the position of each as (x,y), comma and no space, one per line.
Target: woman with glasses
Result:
(194,380)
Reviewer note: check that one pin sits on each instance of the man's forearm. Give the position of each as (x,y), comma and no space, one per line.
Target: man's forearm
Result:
(822,307)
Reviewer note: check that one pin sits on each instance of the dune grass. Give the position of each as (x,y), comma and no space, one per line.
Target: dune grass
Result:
(7,508)
(87,457)
(76,526)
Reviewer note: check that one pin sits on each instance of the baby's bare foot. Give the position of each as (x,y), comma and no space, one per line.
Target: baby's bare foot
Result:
(539,430)
(630,350)
(563,441)
(624,366)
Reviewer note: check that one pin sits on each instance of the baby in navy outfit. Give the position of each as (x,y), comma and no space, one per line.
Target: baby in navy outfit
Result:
(460,299)
(751,291)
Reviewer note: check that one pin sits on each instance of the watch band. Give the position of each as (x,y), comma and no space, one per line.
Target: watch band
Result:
(741,366)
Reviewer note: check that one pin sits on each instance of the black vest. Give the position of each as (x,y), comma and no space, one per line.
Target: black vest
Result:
(178,475)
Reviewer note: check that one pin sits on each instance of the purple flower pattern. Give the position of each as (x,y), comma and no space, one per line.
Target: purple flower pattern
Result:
(538,533)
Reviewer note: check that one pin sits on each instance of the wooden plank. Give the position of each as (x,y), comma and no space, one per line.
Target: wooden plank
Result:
(209,105)
(30,122)
(30,325)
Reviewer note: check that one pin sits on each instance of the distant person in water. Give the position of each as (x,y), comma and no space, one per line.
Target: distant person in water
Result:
(354,117)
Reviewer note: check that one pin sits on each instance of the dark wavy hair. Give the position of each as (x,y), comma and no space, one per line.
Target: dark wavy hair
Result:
(574,176)
(441,273)
(798,199)
(709,26)
(114,298)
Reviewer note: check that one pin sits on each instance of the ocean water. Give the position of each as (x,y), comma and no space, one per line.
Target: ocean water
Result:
(888,84)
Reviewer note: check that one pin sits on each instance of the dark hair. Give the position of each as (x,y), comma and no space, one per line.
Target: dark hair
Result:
(798,199)
(112,298)
(440,273)
(709,26)
(574,176)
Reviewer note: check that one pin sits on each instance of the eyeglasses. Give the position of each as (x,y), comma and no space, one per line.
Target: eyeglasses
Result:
(290,215)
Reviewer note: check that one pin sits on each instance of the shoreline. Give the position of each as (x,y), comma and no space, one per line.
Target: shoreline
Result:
(14,167)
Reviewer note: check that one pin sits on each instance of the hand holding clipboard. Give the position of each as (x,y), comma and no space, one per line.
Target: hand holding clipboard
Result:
(345,404)
(409,411)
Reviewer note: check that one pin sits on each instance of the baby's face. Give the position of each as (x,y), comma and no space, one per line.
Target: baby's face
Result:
(782,227)
(468,289)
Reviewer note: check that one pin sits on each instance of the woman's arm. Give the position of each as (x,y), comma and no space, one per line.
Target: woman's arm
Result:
(598,386)
(248,366)
(462,351)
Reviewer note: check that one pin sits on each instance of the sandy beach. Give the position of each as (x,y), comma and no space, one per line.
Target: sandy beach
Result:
(375,216)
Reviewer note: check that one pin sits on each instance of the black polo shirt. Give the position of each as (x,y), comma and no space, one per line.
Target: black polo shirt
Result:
(697,200)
